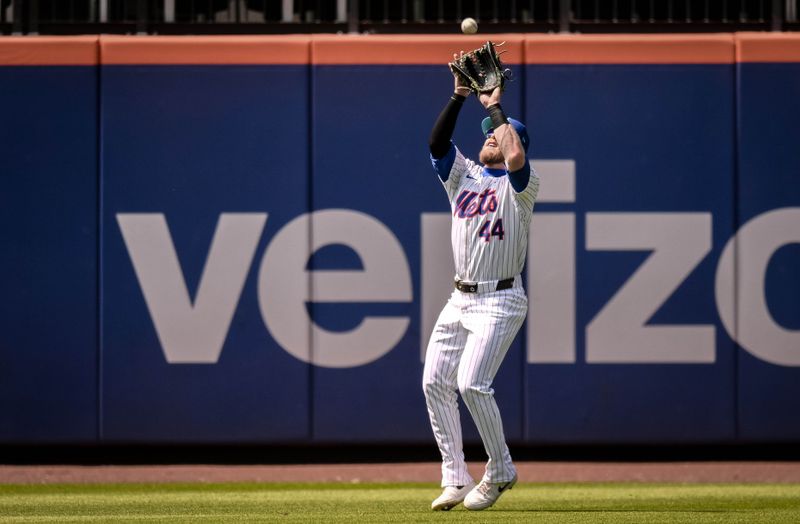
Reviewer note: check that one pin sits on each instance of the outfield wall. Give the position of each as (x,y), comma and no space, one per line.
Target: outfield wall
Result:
(241,240)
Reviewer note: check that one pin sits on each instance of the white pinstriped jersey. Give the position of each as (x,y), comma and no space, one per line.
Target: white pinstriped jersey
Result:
(490,221)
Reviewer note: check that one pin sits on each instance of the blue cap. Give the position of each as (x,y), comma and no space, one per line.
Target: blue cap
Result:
(518,126)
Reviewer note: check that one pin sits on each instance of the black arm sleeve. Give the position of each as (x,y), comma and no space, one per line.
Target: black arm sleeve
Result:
(442,132)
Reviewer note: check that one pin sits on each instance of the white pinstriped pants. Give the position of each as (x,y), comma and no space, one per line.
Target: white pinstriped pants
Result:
(465,351)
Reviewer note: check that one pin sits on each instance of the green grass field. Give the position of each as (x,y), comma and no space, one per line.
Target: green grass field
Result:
(357,503)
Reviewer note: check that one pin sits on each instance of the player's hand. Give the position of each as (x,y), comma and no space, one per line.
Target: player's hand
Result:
(459,87)
(491,97)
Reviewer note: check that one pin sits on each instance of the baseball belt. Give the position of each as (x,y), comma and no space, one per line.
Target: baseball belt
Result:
(475,287)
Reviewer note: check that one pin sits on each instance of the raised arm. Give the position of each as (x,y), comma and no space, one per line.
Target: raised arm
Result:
(505,134)
(442,132)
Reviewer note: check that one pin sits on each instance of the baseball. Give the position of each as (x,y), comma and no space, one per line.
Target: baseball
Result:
(469,26)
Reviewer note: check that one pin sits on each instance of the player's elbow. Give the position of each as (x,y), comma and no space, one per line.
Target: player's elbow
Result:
(438,148)
(515,160)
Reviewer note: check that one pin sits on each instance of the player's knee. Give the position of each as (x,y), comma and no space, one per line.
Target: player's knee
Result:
(472,392)
(434,385)
(430,385)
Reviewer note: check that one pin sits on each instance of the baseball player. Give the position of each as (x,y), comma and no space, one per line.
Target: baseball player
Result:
(491,204)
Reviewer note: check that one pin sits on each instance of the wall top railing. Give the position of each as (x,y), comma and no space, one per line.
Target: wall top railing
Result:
(31,17)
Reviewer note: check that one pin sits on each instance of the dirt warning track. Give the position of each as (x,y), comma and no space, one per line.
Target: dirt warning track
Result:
(695,471)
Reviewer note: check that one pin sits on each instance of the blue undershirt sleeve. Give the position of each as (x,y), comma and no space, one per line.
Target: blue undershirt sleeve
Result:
(519,179)
(443,165)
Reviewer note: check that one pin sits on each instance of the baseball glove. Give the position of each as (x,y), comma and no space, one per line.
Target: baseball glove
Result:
(481,70)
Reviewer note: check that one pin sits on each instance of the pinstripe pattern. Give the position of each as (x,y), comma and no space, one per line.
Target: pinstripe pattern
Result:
(476,259)
(474,330)
(469,342)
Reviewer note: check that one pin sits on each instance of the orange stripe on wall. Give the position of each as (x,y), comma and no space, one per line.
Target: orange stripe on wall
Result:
(407,49)
(767,47)
(629,49)
(48,50)
(206,50)
(399,49)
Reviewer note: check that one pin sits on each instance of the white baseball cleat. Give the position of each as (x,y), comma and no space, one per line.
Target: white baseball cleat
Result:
(486,494)
(451,497)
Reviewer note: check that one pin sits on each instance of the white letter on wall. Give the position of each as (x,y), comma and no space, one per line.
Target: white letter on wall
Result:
(551,268)
(437,272)
(284,286)
(750,251)
(191,332)
(618,333)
